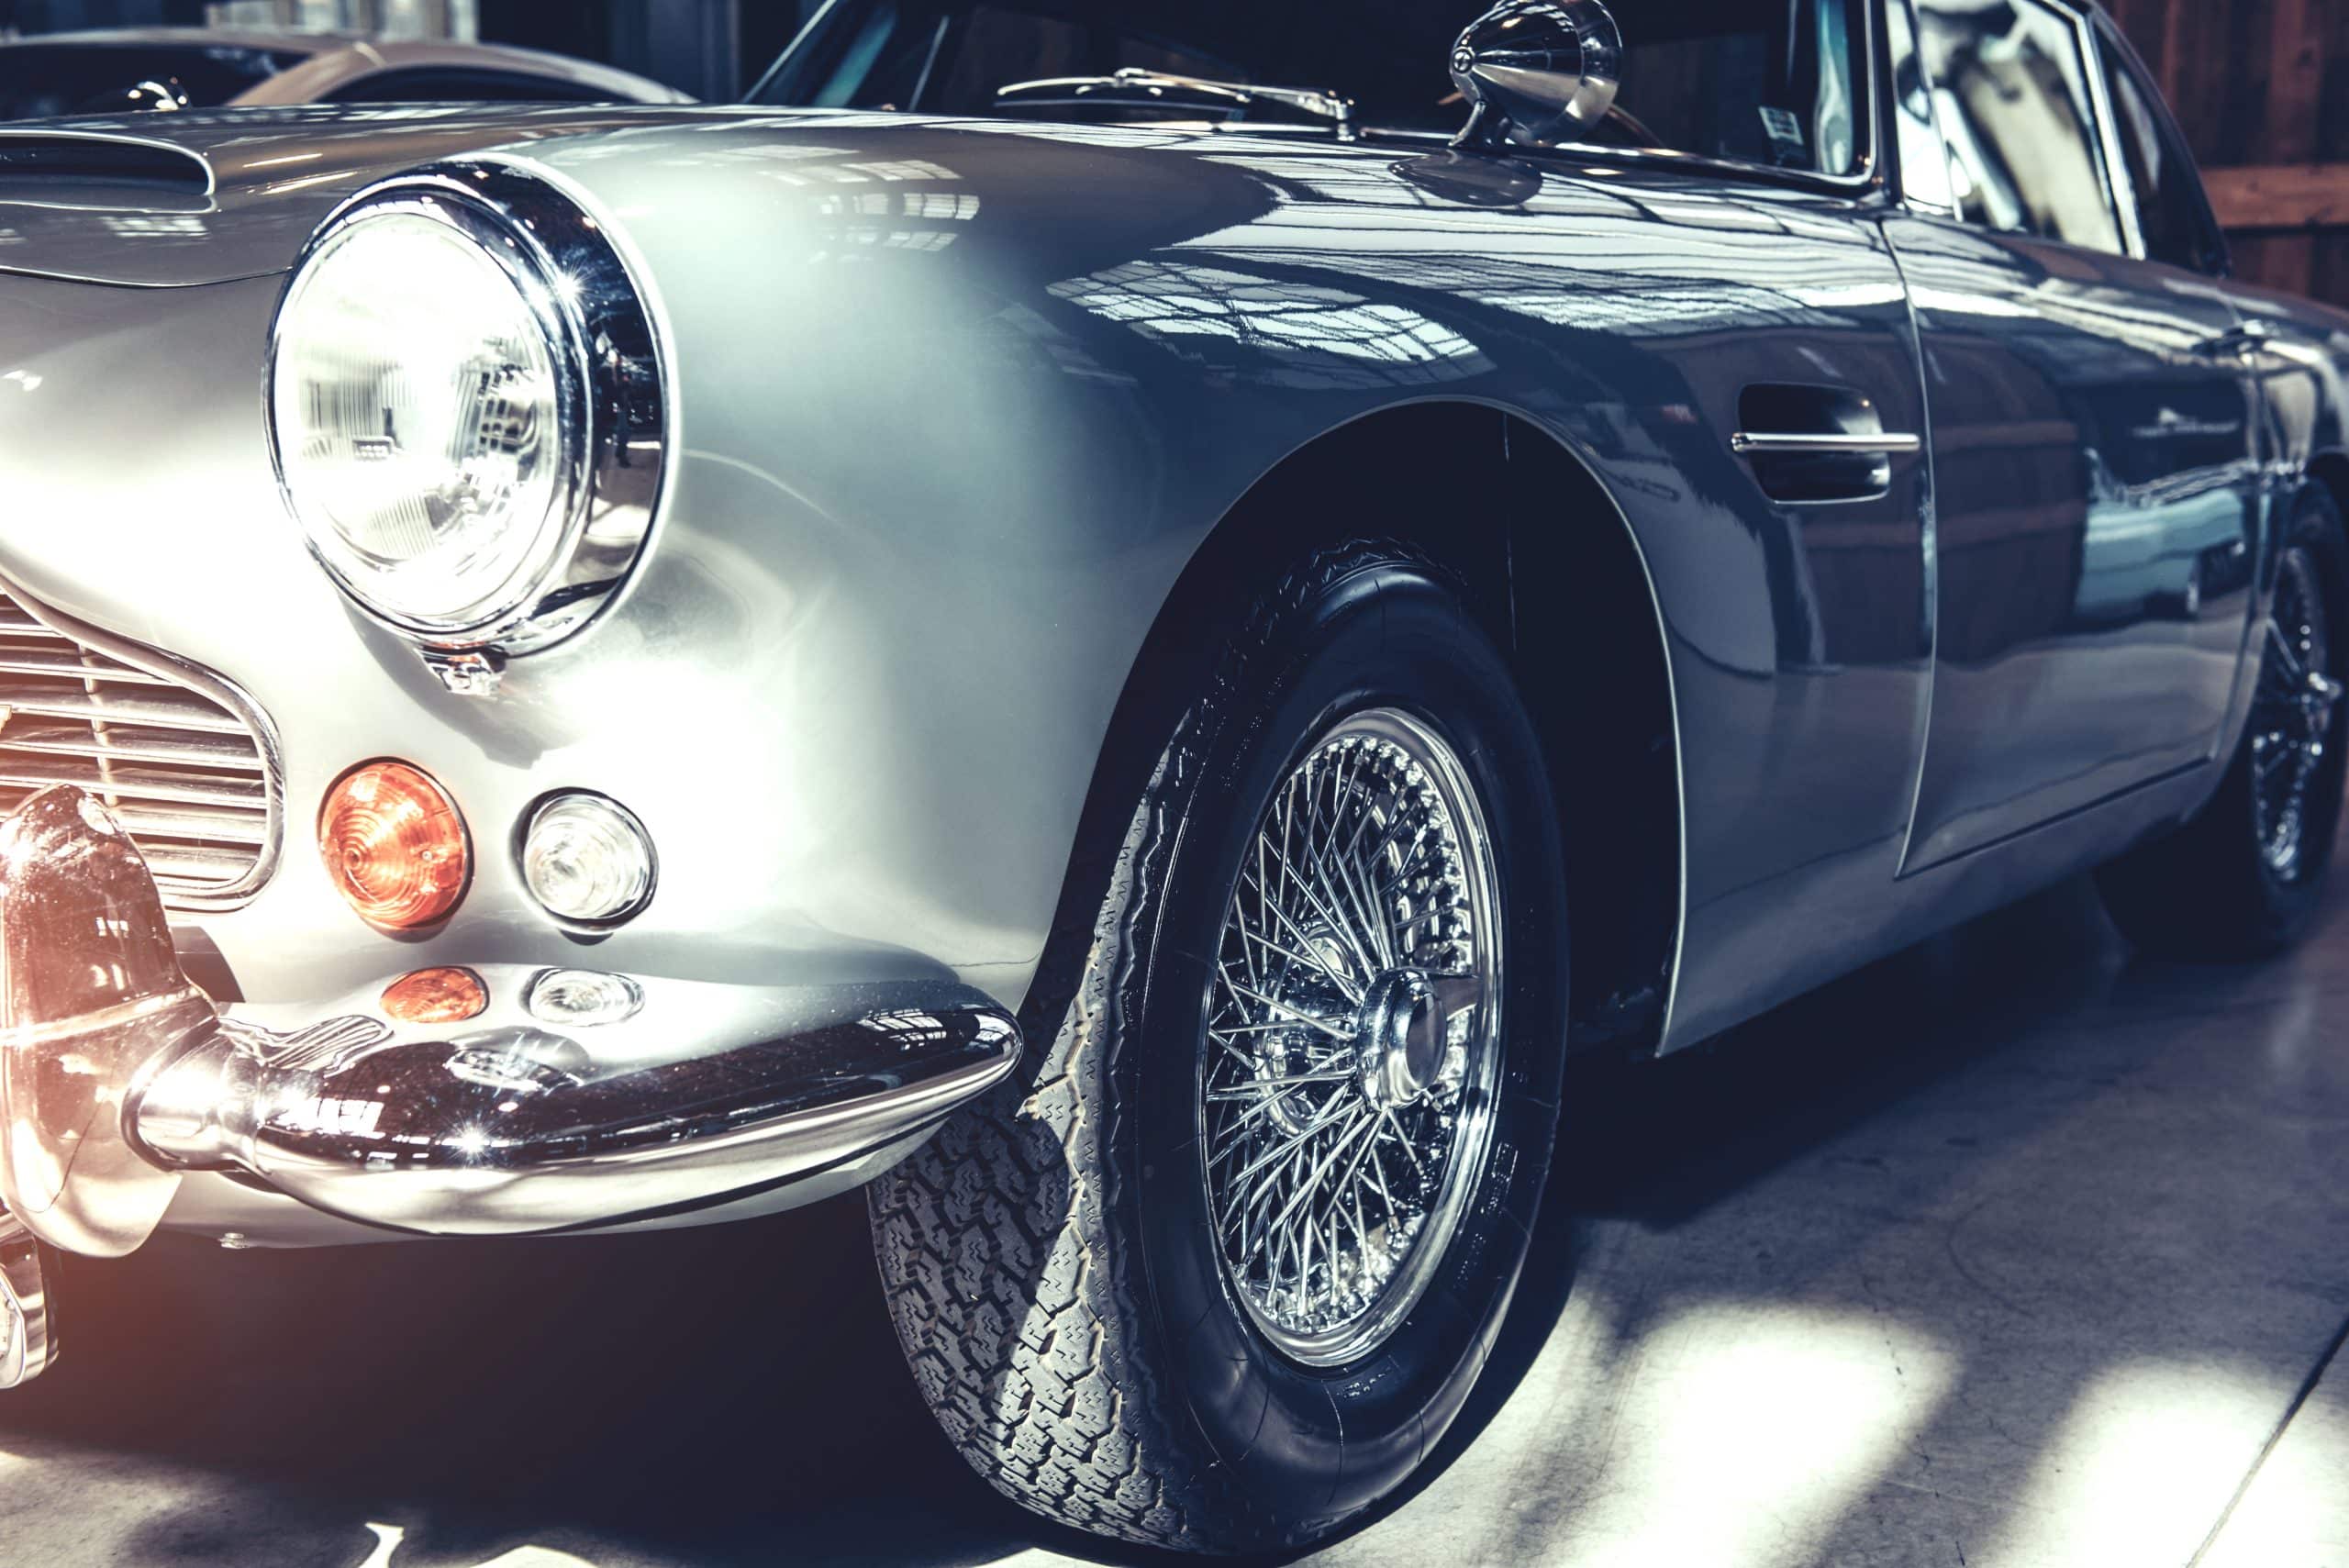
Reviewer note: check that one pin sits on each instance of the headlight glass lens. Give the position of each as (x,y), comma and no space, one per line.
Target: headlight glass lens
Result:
(420,419)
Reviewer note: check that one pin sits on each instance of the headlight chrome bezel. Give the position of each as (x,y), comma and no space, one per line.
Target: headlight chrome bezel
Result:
(614,413)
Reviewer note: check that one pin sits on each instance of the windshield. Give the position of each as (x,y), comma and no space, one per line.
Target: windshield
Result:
(1768,82)
(40,80)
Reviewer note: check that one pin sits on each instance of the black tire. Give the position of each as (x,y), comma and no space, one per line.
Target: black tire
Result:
(2210,891)
(1049,1258)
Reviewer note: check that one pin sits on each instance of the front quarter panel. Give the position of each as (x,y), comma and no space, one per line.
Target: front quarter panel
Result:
(968,395)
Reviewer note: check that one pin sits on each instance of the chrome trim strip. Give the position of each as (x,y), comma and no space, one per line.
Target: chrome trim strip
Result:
(530,1116)
(1747,444)
(219,689)
(2120,190)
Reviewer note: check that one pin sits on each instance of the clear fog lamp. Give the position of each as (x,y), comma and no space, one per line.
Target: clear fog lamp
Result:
(426,416)
(587,859)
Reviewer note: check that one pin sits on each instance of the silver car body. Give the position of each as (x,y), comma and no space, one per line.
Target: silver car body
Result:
(957,404)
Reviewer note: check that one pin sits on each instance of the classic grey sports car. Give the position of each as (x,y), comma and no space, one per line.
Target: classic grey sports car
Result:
(1126,631)
(128,70)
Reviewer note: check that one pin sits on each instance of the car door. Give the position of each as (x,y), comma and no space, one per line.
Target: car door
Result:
(2095,444)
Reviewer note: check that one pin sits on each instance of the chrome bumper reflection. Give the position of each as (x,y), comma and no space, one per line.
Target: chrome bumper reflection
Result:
(116,1076)
(505,1125)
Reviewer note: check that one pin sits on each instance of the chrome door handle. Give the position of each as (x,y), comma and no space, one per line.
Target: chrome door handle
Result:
(1873,444)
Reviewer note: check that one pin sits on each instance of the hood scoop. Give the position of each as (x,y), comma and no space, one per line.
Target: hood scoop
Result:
(217,196)
(41,158)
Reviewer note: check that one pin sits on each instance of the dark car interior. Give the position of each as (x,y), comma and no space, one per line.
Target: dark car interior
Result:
(1742,82)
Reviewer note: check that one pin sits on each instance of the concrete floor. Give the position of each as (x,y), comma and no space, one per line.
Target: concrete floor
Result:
(2007,1252)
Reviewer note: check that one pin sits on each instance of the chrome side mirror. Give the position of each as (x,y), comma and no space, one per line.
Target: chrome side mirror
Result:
(1538,72)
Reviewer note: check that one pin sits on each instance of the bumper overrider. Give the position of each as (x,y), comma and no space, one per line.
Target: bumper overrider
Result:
(117,1076)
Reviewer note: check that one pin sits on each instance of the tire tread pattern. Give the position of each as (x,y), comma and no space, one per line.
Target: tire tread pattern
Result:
(1020,1315)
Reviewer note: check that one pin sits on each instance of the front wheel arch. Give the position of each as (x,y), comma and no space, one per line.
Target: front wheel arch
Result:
(1554,572)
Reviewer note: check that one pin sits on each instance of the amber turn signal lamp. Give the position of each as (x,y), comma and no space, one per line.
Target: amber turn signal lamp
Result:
(396,846)
(436,996)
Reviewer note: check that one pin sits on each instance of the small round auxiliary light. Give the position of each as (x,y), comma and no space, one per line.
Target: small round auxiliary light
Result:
(396,845)
(584,997)
(436,996)
(587,859)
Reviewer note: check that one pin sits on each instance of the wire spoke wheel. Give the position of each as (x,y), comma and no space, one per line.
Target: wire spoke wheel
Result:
(1353,1038)
(2292,719)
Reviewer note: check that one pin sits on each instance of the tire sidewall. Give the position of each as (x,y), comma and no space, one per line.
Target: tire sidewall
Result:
(2316,526)
(1311,1446)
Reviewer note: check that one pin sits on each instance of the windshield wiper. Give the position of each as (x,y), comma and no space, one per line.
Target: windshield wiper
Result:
(1133,88)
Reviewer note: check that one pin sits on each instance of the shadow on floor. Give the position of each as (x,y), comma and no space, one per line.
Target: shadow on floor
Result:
(709,1395)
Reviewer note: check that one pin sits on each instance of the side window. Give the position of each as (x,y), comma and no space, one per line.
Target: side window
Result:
(2172,211)
(2012,86)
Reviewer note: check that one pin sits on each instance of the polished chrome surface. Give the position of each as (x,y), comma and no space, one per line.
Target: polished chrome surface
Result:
(90,994)
(1538,72)
(117,1076)
(1134,85)
(1745,442)
(1353,1038)
(28,1324)
(2292,719)
(615,423)
(508,1123)
(181,759)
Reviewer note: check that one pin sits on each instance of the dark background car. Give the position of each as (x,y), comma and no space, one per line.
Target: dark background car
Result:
(166,68)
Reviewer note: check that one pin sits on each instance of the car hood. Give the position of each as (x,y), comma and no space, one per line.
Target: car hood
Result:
(235,193)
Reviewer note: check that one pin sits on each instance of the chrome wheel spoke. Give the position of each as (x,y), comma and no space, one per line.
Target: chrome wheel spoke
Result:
(2292,717)
(2285,668)
(1352,1037)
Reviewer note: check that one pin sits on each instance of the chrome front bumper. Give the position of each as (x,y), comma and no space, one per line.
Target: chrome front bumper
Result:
(118,1077)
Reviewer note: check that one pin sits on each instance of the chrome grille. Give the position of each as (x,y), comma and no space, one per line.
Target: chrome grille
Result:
(180,757)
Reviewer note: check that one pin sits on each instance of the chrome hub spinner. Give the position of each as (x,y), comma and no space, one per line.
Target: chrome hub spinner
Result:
(1402,1036)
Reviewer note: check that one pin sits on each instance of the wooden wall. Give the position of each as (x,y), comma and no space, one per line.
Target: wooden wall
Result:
(2263,89)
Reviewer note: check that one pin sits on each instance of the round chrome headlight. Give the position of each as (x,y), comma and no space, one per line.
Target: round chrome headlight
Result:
(460,462)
